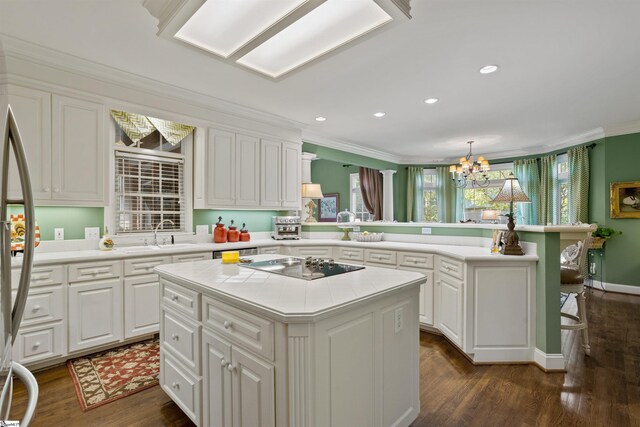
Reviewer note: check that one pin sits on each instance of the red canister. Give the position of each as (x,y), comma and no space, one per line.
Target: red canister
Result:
(233,235)
(219,233)
(244,233)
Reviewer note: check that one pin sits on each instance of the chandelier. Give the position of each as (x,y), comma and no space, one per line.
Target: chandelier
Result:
(470,171)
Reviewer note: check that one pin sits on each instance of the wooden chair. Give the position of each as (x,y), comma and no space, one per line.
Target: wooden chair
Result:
(572,281)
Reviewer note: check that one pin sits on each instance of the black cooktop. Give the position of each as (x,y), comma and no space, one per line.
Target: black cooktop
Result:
(303,268)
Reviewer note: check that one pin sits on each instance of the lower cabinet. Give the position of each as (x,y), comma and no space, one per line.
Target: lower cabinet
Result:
(238,386)
(270,250)
(426,308)
(324,252)
(141,305)
(449,302)
(95,313)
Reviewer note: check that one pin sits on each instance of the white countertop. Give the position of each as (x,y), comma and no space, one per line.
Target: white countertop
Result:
(284,298)
(465,253)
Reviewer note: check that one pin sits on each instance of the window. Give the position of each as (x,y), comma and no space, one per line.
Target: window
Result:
(563,189)
(357,204)
(477,199)
(429,189)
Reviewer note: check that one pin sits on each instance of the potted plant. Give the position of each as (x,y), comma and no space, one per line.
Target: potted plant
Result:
(601,235)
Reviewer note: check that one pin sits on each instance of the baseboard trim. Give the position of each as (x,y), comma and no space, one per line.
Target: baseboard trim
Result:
(614,287)
(549,362)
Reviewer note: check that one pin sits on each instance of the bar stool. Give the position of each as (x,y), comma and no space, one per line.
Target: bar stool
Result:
(572,281)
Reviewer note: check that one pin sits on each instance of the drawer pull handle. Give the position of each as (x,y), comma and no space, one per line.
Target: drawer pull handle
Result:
(36,344)
(224,363)
(36,308)
(38,278)
(231,368)
(175,337)
(176,385)
(174,298)
(227,324)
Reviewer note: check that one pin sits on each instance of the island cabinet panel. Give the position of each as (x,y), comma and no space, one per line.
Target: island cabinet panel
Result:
(184,388)
(216,356)
(182,299)
(182,337)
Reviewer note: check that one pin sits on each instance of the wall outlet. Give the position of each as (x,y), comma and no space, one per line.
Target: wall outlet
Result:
(58,233)
(202,229)
(426,230)
(91,233)
(398,315)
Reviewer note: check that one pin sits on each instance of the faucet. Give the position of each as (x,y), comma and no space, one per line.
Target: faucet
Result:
(155,232)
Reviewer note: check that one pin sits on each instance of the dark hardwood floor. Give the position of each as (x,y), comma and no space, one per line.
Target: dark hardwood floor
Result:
(601,390)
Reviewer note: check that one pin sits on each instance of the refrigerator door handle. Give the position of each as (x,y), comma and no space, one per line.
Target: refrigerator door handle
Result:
(13,140)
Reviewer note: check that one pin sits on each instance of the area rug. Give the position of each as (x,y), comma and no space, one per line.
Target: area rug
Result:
(110,375)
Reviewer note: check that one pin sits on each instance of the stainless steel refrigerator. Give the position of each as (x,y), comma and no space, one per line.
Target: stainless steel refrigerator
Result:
(11,314)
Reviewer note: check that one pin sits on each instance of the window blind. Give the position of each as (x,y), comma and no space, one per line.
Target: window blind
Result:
(149,190)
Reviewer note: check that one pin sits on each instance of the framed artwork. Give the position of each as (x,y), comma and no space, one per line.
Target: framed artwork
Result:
(328,211)
(625,199)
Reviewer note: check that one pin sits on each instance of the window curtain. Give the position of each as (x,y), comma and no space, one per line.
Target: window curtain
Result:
(371,189)
(415,194)
(548,190)
(527,173)
(445,195)
(578,184)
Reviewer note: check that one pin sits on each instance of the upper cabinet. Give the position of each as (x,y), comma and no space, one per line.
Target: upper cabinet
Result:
(244,171)
(64,144)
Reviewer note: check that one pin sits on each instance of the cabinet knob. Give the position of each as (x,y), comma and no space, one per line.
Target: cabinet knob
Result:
(36,308)
(224,363)
(175,337)
(230,367)
(36,344)
(175,385)
(174,298)
(226,324)
(46,189)
(56,190)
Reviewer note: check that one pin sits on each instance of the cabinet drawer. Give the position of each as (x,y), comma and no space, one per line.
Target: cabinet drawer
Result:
(191,257)
(313,251)
(184,388)
(270,250)
(40,276)
(43,305)
(39,343)
(351,254)
(180,298)
(248,330)
(94,271)
(411,259)
(452,267)
(182,336)
(380,256)
(133,267)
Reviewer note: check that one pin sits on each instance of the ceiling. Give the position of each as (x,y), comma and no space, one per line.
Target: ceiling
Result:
(566,68)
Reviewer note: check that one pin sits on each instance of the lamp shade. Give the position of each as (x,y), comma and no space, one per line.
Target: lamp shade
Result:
(511,192)
(489,215)
(311,191)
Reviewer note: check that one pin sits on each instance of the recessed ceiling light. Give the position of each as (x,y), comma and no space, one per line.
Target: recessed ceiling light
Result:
(488,69)
(431,100)
(320,119)
(380,114)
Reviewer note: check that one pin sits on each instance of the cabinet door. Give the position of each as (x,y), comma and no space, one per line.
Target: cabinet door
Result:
(79,151)
(427,298)
(253,390)
(270,173)
(247,171)
(32,110)
(291,175)
(220,167)
(141,305)
(95,314)
(217,381)
(450,308)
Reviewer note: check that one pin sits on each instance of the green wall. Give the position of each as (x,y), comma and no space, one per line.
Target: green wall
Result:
(255,220)
(72,219)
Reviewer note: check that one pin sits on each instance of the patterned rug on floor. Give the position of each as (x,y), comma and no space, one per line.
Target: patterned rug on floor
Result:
(110,375)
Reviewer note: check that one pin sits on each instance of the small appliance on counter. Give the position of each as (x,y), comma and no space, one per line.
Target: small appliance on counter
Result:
(286,227)
(219,232)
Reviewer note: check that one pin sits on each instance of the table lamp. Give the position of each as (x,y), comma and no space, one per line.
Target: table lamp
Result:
(511,192)
(311,191)
(489,215)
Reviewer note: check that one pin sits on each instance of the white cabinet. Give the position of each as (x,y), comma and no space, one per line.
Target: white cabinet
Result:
(426,306)
(32,110)
(271,250)
(324,252)
(232,169)
(238,388)
(280,174)
(95,313)
(449,300)
(141,305)
(78,151)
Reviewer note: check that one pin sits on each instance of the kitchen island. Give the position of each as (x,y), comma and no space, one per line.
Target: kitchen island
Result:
(247,347)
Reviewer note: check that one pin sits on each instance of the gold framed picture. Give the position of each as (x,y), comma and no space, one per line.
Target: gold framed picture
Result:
(625,199)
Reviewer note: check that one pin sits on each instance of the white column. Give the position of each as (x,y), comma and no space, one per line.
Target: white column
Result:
(307,158)
(387,196)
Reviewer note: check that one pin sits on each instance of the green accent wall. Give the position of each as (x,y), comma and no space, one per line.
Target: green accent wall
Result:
(72,219)
(256,220)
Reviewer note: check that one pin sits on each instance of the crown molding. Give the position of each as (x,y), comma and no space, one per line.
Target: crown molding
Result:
(622,128)
(19,49)
(349,147)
